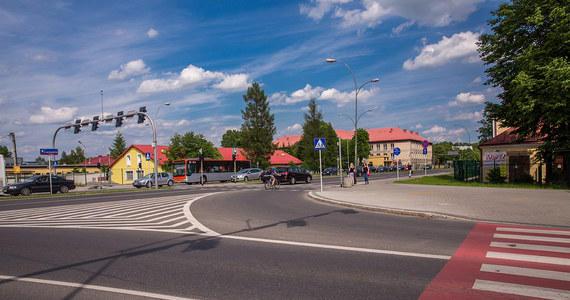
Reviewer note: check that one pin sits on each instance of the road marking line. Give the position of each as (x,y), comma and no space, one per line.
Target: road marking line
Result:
(556,275)
(530,247)
(93,287)
(209,232)
(528,230)
(529,258)
(518,289)
(531,238)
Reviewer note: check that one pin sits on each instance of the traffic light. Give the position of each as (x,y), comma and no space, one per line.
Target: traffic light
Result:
(95,123)
(119,119)
(141,116)
(77,127)
(201,158)
(140,165)
(98,165)
(233,157)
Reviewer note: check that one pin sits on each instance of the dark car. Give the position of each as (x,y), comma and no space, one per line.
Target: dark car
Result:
(292,174)
(330,171)
(39,184)
(382,169)
(372,169)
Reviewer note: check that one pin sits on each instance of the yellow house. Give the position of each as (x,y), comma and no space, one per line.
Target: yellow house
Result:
(133,164)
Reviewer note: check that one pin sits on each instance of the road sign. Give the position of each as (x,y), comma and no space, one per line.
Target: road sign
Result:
(147,155)
(425,144)
(396,151)
(55,164)
(425,150)
(48,151)
(320,144)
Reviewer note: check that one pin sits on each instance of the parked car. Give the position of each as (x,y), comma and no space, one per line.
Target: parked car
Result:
(382,169)
(247,174)
(39,184)
(372,169)
(164,178)
(330,171)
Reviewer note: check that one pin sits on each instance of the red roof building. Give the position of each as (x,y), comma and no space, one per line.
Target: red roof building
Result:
(103,160)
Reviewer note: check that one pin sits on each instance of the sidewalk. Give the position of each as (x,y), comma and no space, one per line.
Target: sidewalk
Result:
(500,205)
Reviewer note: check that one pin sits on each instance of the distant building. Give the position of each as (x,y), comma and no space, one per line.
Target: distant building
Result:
(382,144)
(132,163)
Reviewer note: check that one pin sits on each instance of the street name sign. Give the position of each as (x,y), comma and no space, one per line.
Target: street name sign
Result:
(48,151)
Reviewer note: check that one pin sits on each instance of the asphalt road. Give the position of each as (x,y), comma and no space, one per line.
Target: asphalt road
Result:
(216,242)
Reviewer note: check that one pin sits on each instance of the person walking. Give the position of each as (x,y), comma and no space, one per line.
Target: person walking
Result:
(351,173)
(366,172)
(410,171)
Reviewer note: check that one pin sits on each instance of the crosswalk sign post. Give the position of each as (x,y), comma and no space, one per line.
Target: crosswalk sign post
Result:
(320,145)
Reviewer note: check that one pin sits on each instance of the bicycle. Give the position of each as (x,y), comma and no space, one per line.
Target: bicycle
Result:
(269,186)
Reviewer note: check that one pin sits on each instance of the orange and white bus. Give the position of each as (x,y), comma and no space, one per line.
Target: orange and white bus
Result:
(188,170)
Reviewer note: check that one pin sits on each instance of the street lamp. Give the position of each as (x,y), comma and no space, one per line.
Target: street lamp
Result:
(356,91)
(468,136)
(155,146)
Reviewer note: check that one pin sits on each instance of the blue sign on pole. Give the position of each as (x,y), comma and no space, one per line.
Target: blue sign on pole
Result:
(55,163)
(425,150)
(320,144)
(425,144)
(147,154)
(48,151)
(396,151)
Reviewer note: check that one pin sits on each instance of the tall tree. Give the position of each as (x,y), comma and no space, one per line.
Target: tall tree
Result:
(119,146)
(41,160)
(188,146)
(528,56)
(486,129)
(232,138)
(313,128)
(258,127)
(4,151)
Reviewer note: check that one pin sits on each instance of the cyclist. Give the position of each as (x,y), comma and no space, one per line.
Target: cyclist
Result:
(271,172)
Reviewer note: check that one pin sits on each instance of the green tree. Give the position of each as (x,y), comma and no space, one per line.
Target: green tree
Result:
(314,127)
(258,127)
(232,138)
(41,160)
(527,54)
(119,146)
(188,146)
(64,159)
(363,145)
(486,129)
(5,152)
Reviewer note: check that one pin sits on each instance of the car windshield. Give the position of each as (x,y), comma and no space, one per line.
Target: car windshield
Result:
(150,175)
(31,179)
(243,171)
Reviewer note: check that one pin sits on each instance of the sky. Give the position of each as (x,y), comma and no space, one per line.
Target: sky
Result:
(66,60)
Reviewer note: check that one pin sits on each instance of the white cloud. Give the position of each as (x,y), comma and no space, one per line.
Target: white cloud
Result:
(132,68)
(151,33)
(48,115)
(460,45)
(418,126)
(319,93)
(468,98)
(372,12)
(403,27)
(233,83)
(435,130)
(195,76)
(477,80)
(475,116)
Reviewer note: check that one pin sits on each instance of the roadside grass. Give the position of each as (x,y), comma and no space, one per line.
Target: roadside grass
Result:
(447,179)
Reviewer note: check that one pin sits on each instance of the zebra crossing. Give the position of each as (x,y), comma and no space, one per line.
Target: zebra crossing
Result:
(498,262)
(165,214)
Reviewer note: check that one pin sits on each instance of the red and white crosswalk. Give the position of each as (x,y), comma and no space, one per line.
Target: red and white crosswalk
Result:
(506,262)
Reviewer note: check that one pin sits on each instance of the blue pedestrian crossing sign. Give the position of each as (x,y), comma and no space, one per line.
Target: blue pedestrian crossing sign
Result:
(320,144)
(147,154)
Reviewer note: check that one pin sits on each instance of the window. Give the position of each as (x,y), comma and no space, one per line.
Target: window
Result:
(385,146)
(128,158)
(392,146)
(140,173)
(139,158)
(129,175)
(371,147)
(377,147)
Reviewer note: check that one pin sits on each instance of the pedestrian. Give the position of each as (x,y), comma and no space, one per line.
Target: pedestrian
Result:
(410,171)
(351,173)
(366,172)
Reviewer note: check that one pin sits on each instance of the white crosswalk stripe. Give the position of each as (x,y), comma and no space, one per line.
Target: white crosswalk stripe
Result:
(532,262)
(152,214)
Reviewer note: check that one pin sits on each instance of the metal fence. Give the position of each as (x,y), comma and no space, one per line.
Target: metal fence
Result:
(467,170)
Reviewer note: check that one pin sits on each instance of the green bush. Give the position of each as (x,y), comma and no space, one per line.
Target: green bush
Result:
(524,178)
(494,176)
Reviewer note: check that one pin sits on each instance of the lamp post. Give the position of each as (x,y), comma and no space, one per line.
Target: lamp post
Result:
(84,154)
(354,123)
(155,146)
(356,91)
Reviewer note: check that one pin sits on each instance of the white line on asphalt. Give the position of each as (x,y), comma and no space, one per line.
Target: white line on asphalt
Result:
(531,247)
(530,258)
(527,230)
(519,289)
(530,238)
(547,274)
(210,232)
(93,287)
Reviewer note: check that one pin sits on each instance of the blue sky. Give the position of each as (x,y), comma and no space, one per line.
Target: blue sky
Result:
(57,57)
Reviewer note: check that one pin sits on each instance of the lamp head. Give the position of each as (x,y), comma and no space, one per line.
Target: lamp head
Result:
(331,60)
(167,103)
(375,80)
